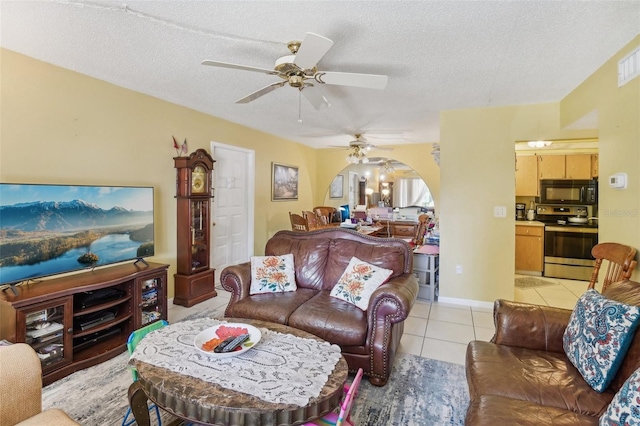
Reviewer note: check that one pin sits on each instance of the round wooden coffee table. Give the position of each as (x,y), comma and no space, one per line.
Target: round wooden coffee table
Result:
(202,402)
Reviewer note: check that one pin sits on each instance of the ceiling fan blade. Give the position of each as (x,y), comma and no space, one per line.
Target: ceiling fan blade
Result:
(368,81)
(238,67)
(315,97)
(311,50)
(255,95)
(384,134)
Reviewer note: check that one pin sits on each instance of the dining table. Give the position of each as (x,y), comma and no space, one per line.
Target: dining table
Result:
(289,377)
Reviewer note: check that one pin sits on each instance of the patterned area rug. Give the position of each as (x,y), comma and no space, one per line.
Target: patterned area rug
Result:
(420,392)
(531,282)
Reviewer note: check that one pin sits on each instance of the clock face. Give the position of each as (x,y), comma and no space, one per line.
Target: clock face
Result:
(198,183)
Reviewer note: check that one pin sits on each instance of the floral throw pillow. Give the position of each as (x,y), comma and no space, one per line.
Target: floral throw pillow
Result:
(272,274)
(359,281)
(624,408)
(599,333)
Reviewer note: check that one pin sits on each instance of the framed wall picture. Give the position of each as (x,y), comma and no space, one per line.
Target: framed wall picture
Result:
(337,186)
(284,182)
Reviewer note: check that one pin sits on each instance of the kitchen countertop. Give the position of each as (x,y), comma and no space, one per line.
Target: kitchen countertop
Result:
(529,222)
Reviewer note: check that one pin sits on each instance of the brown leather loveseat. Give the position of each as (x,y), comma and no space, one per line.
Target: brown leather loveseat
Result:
(523,377)
(368,339)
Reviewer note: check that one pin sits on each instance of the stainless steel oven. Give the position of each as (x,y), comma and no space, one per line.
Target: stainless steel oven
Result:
(583,192)
(567,251)
(567,245)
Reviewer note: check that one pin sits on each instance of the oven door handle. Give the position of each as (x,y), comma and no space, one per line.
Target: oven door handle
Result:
(577,230)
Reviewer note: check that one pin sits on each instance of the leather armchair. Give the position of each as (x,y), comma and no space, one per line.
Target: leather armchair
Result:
(368,339)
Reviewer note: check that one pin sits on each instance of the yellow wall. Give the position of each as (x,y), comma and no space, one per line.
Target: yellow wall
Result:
(619,127)
(477,174)
(62,127)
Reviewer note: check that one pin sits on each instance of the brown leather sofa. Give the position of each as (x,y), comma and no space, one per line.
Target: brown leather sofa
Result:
(369,339)
(523,377)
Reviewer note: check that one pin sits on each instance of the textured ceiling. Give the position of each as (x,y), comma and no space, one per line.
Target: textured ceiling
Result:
(438,55)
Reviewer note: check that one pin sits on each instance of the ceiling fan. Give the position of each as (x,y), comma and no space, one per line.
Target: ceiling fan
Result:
(360,147)
(300,71)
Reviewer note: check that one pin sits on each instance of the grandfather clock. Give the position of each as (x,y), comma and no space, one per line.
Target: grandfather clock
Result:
(194,281)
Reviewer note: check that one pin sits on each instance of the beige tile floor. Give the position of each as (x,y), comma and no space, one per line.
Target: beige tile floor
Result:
(438,330)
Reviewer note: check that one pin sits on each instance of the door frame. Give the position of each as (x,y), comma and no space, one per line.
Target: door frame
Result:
(250,159)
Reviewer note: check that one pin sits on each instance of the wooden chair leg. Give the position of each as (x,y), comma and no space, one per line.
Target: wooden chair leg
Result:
(138,403)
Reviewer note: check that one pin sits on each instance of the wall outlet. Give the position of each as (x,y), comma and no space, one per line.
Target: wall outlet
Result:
(500,211)
(459,269)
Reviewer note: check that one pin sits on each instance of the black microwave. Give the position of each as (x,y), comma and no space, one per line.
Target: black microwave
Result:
(569,191)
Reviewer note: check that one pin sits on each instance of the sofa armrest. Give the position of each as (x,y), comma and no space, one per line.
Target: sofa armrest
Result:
(393,299)
(529,326)
(236,279)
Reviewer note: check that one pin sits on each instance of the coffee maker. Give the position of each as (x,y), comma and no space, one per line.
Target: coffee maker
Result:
(521,211)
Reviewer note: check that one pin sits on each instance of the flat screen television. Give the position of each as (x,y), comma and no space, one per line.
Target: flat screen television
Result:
(53,229)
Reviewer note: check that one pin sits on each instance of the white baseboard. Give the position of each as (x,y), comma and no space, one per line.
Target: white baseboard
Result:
(466,302)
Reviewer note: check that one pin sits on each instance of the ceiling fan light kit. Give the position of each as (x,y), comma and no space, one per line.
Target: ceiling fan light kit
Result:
(360,147)
(357,156)
(387,168)
(299,70)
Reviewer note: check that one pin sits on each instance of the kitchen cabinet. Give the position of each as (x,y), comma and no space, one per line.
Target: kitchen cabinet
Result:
(574,166)
(594,166)
(551,166)
(578,166)
(529,249)
(527,176)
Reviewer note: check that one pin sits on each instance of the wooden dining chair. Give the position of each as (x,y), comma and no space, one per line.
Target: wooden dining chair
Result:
(421,232)
(313,221)
(298,223)
(326,214)
(620,263)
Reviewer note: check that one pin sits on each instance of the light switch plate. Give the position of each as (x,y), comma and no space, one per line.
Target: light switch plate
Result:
(499,211)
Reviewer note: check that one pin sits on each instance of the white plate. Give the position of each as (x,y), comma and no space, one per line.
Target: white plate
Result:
(210,333)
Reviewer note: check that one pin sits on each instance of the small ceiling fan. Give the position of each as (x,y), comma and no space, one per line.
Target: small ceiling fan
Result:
(360,147)
(363,143)
(300,71)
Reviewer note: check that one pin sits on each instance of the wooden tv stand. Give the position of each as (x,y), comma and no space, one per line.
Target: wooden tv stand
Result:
(81,320)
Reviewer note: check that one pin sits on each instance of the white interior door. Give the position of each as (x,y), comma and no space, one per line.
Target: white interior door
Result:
(233,206)
(353,188)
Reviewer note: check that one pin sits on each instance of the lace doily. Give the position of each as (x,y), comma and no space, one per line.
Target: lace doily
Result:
(281,368)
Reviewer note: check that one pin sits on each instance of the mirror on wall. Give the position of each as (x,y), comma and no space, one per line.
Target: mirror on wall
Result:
(382,182)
